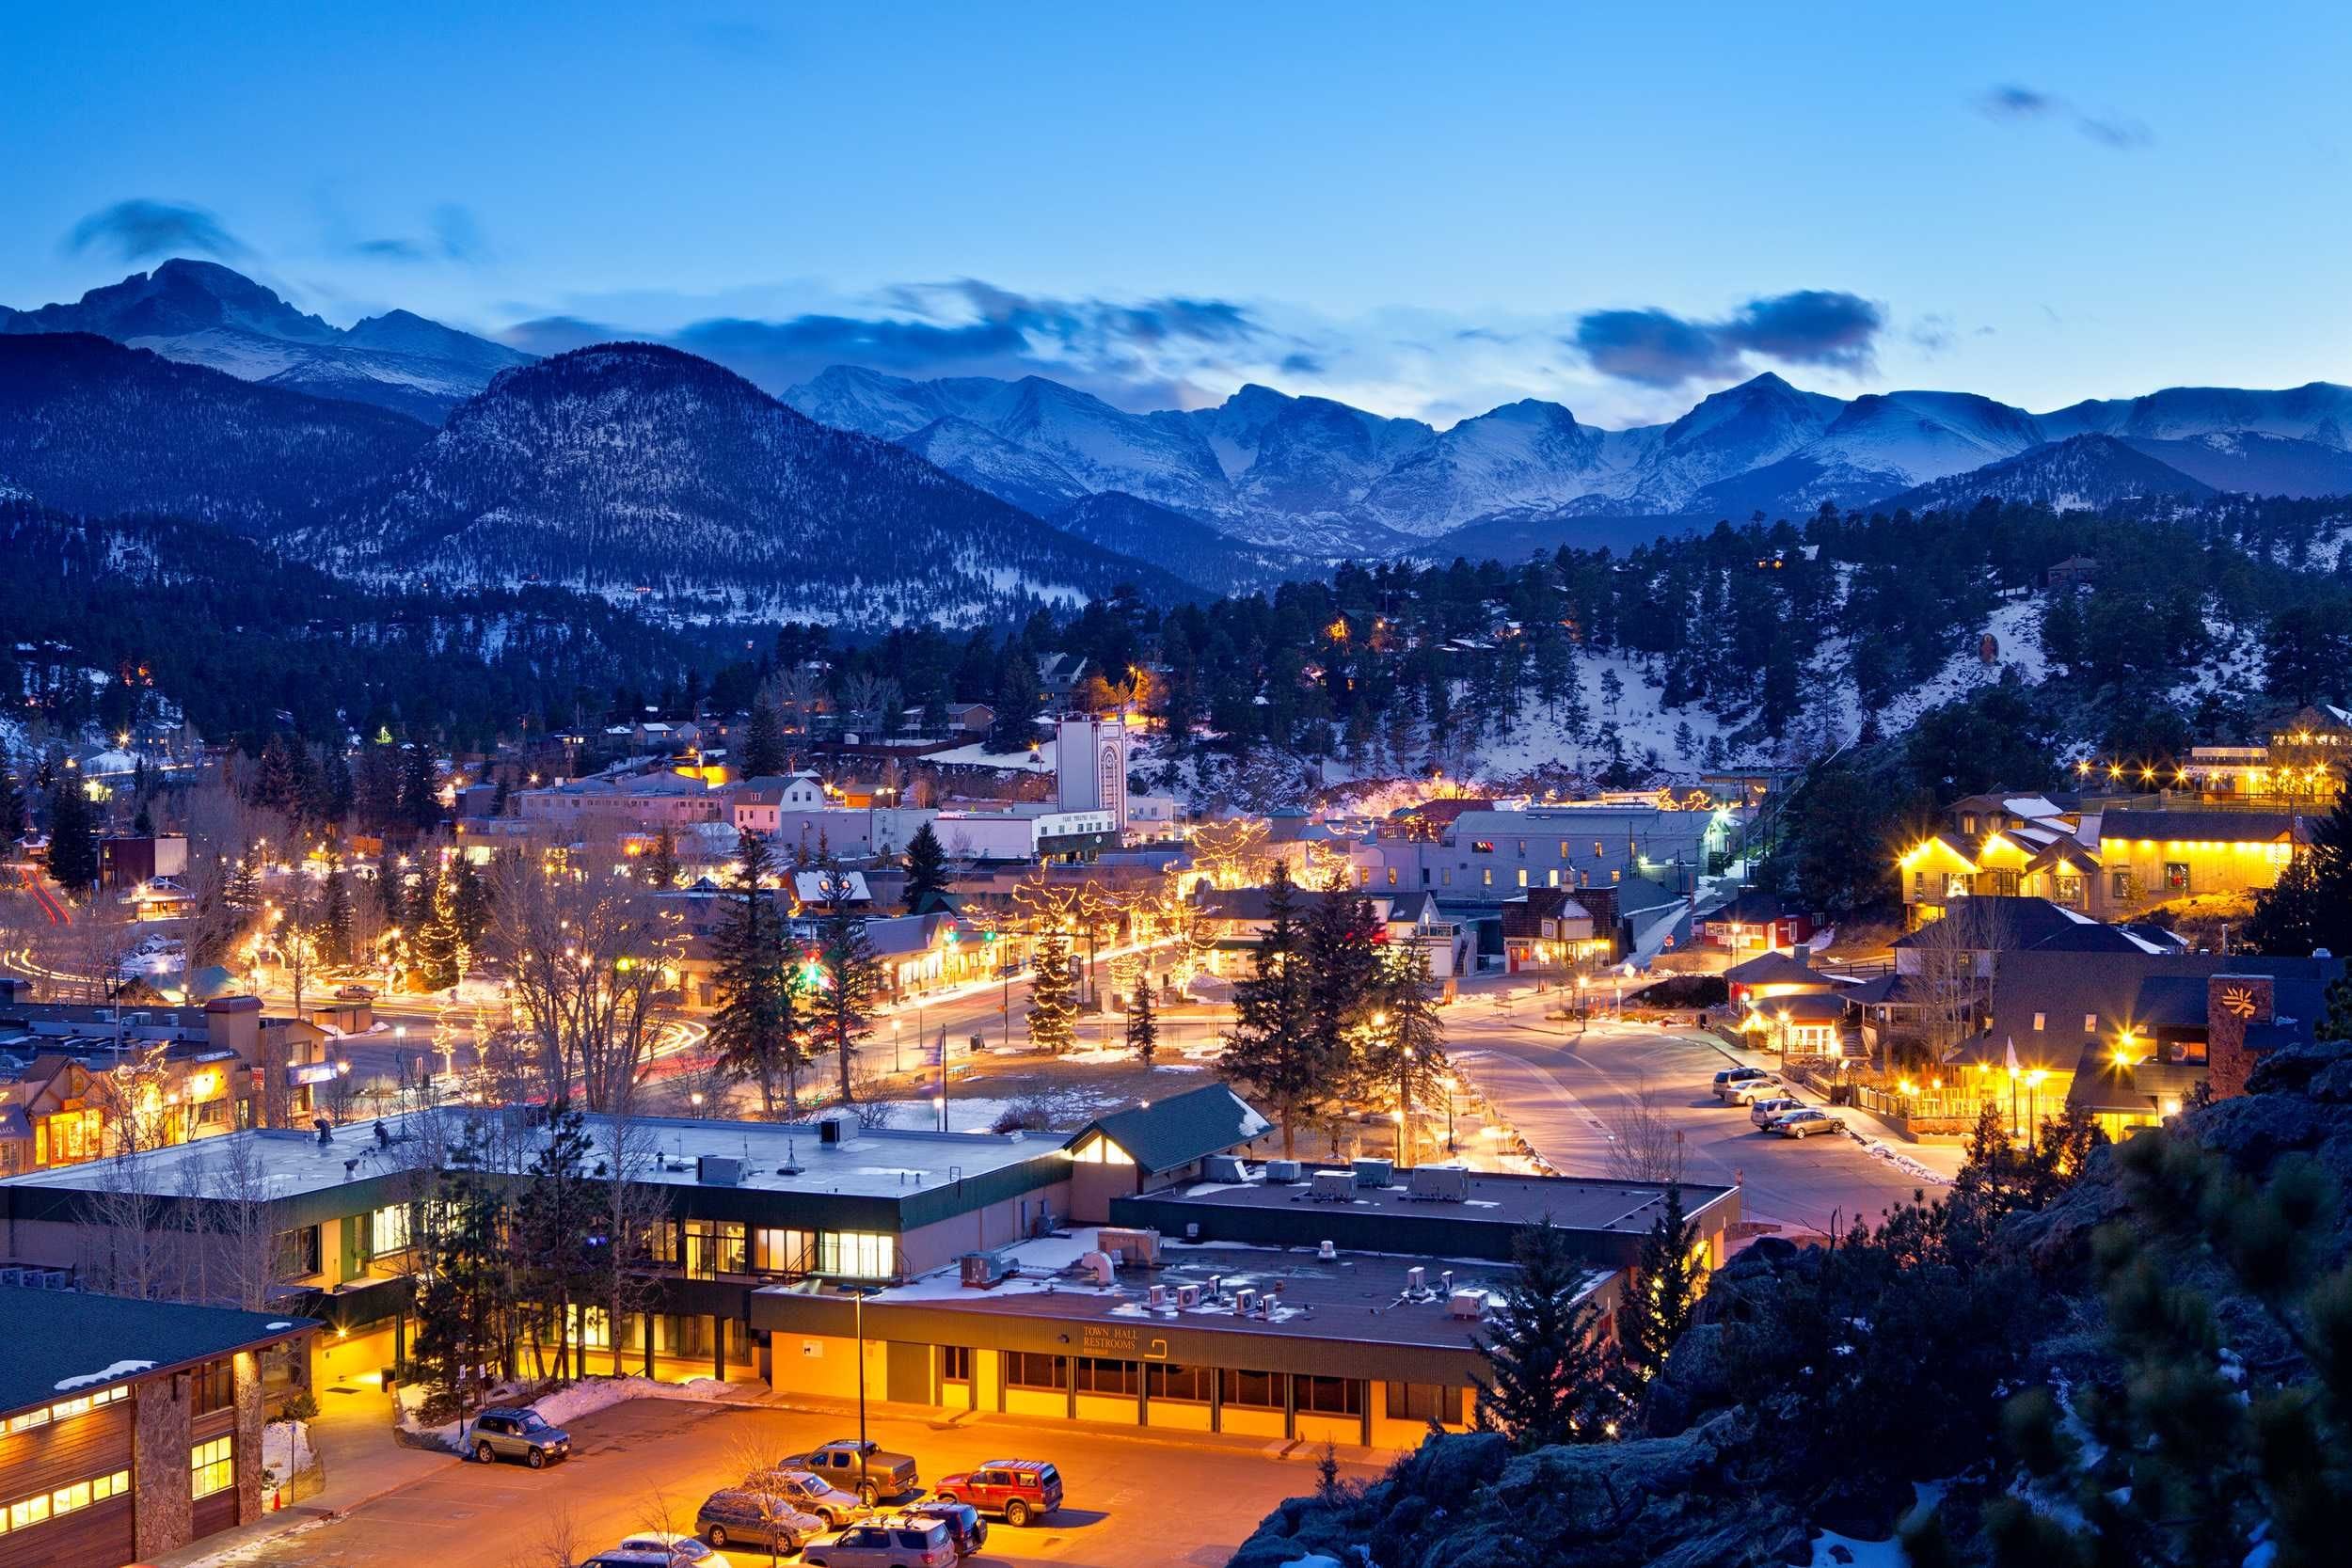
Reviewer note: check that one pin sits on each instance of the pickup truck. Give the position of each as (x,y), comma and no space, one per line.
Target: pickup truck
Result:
(870,1471)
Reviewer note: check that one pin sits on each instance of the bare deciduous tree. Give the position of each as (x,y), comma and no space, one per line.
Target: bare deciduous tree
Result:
(1644,1144)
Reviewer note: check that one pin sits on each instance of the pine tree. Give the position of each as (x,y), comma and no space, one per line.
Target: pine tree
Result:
(1543,1383)
(334,928)
(469,903)
(420,789)
(13,809)
(435,945)
(1404,1050)
(841,1011)
(1342,970)
(1269,1051)
(276,779)
(2311,906)
(662,862)
(1659,1299)
(926,869)
(1143,1030)
(72,835)
(752,1029)
(391,893)
(1053,993)
(464,1294)
(764,753)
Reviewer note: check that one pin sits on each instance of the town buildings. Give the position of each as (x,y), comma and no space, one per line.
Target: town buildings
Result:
(129,1429)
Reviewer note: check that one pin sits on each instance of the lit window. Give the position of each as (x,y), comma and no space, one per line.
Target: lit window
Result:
(32,1511)
(2091,1024)
(116,1486)
(857,1253)
(211,1468)
(2037,1023)
(1522,876)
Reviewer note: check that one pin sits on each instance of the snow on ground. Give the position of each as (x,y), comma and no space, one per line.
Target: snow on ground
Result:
(567,1404)
(979,755)
(286,1450)
(1065,1109)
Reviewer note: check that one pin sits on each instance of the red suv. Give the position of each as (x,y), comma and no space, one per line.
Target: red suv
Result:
(1020,1489)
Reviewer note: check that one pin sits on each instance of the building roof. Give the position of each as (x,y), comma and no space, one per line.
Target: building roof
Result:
(1167,1133)
(1989,922)
(1776,969)
(59,1344)
(1754,906)
(2203,827)
(2136,990)
(1810,1008)
(1574,1203)
(2102,1084)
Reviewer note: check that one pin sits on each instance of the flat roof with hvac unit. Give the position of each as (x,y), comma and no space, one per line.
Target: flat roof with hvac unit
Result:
(1434,1209)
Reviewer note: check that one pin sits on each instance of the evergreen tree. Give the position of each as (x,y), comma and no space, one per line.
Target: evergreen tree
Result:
(752,1030)
(1342,970)
(469,903)
(555,1212)
(1053,993)
(1543,1383)
(277,778)
(72,834)
(334,928)
(1403,1052)
(1270,1050)
(144,823)
(764,753)
(926,869)
(661,862)
(244,891)
(331,801)
(420,788)
(1656,1306)
(1143,1030)
(435,945)
(13,809)
(465,1291)
(849,978)
(391,893)
(2311,905)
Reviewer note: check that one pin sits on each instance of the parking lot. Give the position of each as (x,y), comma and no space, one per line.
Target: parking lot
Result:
(648,1464)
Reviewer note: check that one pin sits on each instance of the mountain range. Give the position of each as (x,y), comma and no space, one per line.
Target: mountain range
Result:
(203,313)
(1317,476)
(638,472)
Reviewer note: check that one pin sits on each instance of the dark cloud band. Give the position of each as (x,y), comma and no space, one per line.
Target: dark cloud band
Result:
(1658,348)
(142,230)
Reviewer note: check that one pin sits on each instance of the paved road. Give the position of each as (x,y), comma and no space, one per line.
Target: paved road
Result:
(1564,1091)
(1132,1501)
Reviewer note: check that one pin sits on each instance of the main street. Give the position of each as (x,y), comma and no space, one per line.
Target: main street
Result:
(1567,1089)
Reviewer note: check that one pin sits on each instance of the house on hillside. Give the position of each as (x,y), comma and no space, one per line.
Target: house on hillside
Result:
(1755,921)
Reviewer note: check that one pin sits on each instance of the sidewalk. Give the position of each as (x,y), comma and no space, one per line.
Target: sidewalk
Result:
(353,1439)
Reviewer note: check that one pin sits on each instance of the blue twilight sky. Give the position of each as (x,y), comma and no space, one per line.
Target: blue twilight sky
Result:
(1421,209)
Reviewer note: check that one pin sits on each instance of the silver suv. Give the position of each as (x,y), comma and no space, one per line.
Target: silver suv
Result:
(503,1432)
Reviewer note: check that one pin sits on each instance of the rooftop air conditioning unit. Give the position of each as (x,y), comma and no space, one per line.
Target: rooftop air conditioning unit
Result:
(1158,1296)
(1372,1173)
(1098,1267)
(984,1269)
(1244,1303)
(1281,1170)
(1332,1187)
(1187,1295)
(1139,1247)
(1326,1250)
(719,1170)
(1467,1303)
(1416,1279)
(1440,1184)
(829,1133)
(1223,1168)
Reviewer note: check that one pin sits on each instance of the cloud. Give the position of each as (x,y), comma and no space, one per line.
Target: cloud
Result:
(2011,102)
(138,229)
(1143,355)
(1657,348)
(456,237)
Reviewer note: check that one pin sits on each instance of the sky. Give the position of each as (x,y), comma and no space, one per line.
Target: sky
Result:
(1420,210)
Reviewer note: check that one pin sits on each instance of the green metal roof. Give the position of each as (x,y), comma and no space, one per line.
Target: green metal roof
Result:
(1163,1134)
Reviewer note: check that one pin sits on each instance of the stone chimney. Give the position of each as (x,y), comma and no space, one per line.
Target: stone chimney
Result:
(2233,1004)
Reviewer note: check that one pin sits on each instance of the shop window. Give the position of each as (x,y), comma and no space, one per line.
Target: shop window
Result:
(954,1363)
(857,1253)
(2070,892)
(2120,882)
(1482,846)
(213,1386)
(1030,1370)
(787,1252)
(1189,1385)
(1487,876)
(1100,1375)
(1328,1396)
(1392,876)
(2176,876)
(1252,1390)
(713,1247)
(211,1468)
(1425,1401)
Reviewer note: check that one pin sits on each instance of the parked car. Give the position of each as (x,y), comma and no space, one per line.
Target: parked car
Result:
(673,1550)
(965,1526)
(872,1471)
(354,993)
(912,1544)
(773,1521)
(1755,1089)
(1725,1080)
(1805,1121)
(1761,1112)
(1020,1489)
(507,1432)
(810,1494)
